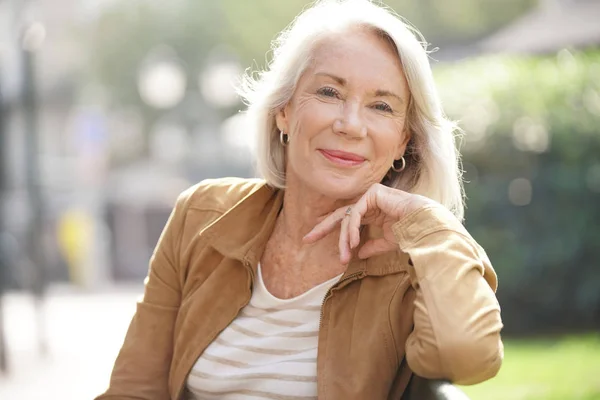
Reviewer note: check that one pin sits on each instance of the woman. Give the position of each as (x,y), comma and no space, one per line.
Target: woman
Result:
(347,269)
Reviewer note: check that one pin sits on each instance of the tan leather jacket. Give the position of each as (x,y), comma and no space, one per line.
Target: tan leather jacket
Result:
(429,308)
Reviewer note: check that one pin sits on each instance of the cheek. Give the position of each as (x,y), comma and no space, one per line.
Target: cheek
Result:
(312,116)
(388,138)
(384,160)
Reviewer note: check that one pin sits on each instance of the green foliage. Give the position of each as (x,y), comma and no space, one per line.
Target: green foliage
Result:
(125,34)
(536,120)
(252,25)
(445,22)
(545,370)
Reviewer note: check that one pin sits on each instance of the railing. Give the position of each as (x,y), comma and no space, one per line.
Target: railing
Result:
(425,389)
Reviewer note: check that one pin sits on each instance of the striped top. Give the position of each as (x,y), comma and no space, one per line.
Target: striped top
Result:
(268,352)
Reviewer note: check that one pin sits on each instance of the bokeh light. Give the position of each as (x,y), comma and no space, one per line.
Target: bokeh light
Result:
(162,84)
(520,192)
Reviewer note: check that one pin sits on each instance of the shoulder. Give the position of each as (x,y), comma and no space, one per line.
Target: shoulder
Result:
(202,204)
(218,195)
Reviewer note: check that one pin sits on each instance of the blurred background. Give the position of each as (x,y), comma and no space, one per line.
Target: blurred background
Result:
(110,109)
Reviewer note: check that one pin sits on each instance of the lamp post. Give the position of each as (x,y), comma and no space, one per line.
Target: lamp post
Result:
(20,93)
(33,35)
(3,259)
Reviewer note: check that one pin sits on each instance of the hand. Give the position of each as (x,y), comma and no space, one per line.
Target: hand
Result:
(380,206)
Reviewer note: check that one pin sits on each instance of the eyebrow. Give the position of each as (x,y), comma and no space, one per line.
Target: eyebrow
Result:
(378,93)
(387,93)
(336,78)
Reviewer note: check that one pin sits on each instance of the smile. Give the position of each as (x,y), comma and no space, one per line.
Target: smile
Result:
(342,158)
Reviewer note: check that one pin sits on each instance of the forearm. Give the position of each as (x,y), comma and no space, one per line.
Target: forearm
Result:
(457,317)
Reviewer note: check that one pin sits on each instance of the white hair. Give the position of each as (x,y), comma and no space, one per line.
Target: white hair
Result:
(433,167)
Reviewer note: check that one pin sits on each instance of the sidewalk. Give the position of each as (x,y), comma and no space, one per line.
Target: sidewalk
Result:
(84,331)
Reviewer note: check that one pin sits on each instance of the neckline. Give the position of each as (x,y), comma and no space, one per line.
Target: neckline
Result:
(301,296)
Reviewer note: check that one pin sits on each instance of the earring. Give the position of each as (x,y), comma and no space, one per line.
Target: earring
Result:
(284,138)
(395,169)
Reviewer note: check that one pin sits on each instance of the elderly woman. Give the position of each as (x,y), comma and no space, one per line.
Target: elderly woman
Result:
(347,269)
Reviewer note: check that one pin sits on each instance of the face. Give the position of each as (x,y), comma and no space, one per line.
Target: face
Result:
(346,119)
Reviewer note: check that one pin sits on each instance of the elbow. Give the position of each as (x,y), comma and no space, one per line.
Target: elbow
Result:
(463,362)
(469,363)
(475,353)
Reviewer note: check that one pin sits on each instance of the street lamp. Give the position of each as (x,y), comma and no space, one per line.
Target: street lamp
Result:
(162,83)
(33,37)
(217,83)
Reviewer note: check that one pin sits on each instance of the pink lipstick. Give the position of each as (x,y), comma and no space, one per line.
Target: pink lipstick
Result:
(342,158)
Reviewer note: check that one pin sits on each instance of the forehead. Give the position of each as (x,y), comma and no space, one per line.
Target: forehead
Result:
(360,56)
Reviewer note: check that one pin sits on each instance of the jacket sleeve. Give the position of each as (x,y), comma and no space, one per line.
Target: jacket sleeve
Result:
(457,320)
(141,369)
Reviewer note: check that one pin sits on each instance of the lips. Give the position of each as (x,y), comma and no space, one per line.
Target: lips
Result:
(342,158)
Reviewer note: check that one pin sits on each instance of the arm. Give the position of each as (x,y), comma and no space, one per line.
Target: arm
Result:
(141,370)
(457,321)
(457,317)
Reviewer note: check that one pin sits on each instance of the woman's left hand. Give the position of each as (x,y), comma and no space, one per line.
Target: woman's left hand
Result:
(380,206)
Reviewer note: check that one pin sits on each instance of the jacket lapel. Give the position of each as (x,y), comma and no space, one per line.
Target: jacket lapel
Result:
(243,231)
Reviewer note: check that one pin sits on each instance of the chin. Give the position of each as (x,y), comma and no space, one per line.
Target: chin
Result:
(339,187)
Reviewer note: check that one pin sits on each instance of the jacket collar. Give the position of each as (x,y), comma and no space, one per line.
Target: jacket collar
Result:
(242,233)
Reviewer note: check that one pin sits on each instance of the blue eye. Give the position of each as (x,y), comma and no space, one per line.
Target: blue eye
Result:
(328,91)
(383,107)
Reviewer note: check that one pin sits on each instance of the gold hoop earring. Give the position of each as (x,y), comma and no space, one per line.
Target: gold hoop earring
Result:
(284,138)
(395,169)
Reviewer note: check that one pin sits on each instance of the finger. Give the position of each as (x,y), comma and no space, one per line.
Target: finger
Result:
(386,200)
(345,252)
(325,227)
(354,223)
(359,210)
(375,247)
(367,202)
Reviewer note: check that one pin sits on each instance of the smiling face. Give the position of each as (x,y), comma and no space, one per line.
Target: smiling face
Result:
(346,119)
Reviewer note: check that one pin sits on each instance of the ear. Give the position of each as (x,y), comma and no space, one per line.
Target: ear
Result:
(281,119)
(401,149)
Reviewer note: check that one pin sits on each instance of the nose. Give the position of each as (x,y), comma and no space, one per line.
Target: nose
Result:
(351,122)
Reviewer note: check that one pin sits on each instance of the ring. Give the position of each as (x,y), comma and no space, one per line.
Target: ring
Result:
(348,211)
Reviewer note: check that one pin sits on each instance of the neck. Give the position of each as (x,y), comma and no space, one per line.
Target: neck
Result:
(303,209)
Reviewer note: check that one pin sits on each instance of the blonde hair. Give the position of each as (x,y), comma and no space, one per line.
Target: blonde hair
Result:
(433,167)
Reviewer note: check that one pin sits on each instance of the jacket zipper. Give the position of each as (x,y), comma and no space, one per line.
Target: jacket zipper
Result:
(352,277)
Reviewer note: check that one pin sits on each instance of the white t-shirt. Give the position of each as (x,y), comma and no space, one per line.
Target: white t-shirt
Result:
(268,352)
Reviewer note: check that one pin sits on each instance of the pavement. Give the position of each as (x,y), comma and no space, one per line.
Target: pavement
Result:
(84,331)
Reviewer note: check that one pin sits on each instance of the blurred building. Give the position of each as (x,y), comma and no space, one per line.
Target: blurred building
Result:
(34,34)
(554,25)
(109,175)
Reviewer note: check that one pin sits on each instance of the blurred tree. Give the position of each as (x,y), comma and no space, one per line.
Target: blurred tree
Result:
(252,25)
(532,156)
(450,22)
(127,36)
(124,34)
